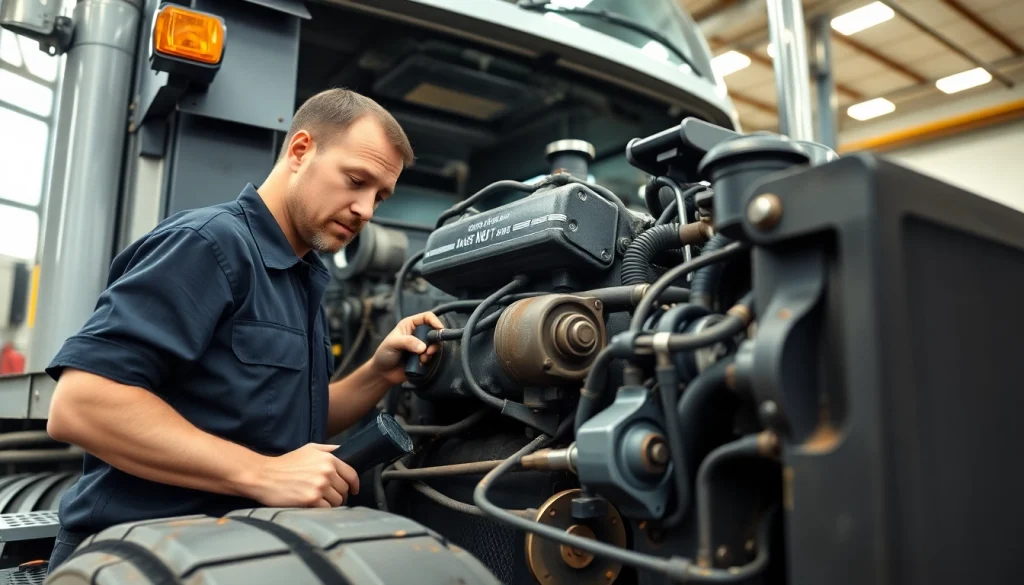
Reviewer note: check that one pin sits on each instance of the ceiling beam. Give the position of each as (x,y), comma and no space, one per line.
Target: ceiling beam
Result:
(988,28)
(757,57)
(890,63)
(754,103)
(711,10)
(929,30)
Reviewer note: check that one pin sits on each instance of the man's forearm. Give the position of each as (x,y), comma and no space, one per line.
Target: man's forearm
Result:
(353,396)
(135,431)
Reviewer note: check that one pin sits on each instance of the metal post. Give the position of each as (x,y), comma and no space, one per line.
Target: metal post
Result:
(787,34)
(82,199)
(828,102)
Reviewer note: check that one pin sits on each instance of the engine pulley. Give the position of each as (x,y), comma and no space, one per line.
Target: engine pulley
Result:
(551,339)
(553,563)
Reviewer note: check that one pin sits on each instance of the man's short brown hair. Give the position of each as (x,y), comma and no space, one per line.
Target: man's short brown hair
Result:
(330,112)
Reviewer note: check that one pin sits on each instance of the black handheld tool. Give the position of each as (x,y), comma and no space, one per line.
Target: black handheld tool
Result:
(414,370)
(383,441)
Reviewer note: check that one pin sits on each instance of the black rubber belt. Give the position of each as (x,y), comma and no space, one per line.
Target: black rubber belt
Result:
(323,569)
(144,560)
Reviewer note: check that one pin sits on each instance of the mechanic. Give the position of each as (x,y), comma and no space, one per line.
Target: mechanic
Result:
(200,384)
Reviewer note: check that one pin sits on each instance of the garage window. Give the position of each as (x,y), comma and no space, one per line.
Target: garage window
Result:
(28,88)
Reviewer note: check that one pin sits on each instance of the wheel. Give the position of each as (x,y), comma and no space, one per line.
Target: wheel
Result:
(338,546)
(34,492)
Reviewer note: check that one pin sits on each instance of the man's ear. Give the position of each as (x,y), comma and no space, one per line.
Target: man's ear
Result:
(300,147)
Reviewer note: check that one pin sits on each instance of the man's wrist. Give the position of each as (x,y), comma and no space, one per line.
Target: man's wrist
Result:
(245,474)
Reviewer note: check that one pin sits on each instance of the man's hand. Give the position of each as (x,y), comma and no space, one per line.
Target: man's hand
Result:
(388,362)
(308,477)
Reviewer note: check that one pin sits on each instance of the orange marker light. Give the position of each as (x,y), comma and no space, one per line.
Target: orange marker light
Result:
(187,34)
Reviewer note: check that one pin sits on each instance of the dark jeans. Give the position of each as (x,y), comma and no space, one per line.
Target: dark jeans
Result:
(63,546)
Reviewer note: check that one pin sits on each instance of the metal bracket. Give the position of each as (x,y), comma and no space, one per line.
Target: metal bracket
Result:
(26,396)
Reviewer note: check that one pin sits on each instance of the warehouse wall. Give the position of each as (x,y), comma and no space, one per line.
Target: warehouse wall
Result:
(987,161)
(984,161)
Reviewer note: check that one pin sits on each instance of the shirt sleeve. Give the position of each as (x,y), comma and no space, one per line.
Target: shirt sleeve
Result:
(158,316)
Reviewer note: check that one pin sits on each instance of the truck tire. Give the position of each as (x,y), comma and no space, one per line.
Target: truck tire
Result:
(34,492)
(272,546)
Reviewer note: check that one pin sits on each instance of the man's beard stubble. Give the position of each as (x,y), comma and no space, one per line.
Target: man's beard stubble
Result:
(314,237)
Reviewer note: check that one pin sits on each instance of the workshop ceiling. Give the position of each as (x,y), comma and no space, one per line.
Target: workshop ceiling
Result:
(896,59)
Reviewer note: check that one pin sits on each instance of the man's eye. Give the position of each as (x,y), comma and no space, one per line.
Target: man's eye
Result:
(355,181)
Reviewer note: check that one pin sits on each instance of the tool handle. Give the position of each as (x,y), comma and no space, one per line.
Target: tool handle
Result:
(383,441)
(414,370)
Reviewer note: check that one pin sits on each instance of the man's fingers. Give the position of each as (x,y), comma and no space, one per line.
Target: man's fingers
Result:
(334,497)
(410,343)
(427,318)
(322,503)
(433,320)
(328,448)
(349,475)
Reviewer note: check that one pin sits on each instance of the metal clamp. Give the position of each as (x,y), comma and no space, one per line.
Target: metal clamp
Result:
(659,343)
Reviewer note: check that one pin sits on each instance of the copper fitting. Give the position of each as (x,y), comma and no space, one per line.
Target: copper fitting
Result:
(551,459)
(695,233)
(742,312)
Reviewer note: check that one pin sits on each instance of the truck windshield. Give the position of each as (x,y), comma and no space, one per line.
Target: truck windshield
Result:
(657,27)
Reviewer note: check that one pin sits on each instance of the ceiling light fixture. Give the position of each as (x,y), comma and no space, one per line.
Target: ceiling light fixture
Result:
(871,109)
(964,80)
(729,63)
(862,18)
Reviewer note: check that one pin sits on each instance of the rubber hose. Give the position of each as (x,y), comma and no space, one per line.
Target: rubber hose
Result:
(704,285)
(636,263)
(17,439)
(669,213)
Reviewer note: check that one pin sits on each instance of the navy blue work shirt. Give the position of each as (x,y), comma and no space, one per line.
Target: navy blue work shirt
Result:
(215,313)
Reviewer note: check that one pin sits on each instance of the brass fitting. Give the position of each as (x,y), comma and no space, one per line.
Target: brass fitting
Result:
(695,233)
(551,459)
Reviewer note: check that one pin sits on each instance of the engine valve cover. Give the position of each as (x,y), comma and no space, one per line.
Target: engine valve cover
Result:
(567,228)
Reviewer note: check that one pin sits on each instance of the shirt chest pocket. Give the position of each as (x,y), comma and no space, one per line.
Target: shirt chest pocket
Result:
(271,398)
(262,343)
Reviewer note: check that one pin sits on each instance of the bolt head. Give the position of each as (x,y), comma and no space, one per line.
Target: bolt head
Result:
(765,211)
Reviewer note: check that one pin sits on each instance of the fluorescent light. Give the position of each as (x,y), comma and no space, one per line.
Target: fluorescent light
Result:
(731,62)
(655,50)
(871,109)
(964,80)
(862,18)
(569,3)
(561,19)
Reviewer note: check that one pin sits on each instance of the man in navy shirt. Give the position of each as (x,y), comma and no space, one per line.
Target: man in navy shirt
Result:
(200,384)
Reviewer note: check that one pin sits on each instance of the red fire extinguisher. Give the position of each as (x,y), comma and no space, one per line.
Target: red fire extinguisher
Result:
(11,360)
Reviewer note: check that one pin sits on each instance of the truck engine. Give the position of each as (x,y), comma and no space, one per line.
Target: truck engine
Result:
(726,388)
(686,395)
(554,406)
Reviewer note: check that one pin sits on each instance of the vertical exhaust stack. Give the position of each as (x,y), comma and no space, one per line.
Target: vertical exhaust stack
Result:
(570,156)
(81,206)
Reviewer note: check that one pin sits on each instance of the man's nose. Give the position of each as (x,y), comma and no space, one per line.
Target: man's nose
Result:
(363,205)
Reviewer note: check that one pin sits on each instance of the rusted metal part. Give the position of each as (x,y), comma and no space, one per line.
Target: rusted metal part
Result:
(550,340)
(695,233)
(555,564)
(654,453)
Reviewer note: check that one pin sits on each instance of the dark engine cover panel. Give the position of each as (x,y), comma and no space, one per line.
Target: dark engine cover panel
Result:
(911,477)
(567,228)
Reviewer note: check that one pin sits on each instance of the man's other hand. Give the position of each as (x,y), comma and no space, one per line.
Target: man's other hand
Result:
(308,477)
(388,362)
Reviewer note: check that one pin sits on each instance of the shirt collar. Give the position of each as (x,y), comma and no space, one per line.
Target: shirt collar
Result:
(274,247)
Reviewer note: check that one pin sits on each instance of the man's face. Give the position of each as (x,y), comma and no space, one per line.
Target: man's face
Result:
(333,192)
